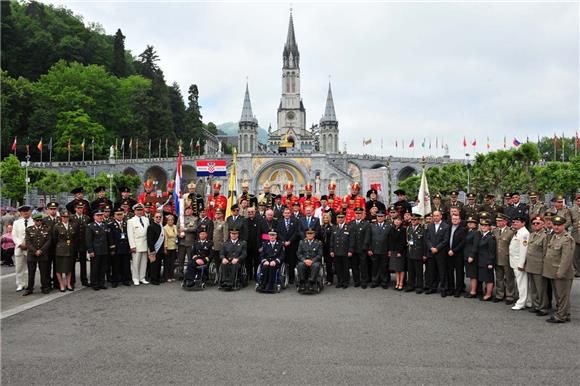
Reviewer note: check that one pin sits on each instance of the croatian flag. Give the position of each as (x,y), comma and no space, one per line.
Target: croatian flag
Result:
(213,168)
(516,143)
(177,190)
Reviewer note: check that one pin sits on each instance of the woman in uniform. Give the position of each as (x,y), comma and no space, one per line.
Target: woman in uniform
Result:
(63,236)
(397,247)
(326,233)
(486,258)
(470,255)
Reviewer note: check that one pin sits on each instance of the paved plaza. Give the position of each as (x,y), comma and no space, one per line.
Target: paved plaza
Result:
(164,335)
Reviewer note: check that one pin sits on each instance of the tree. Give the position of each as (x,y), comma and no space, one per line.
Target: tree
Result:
(78,124)
(442,180)
(13,179)
(52,183)
(177,110)
(148,63)
(119,67)
(193,123)
(558,177)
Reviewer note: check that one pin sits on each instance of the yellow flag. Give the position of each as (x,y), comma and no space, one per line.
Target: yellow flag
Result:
(232,185)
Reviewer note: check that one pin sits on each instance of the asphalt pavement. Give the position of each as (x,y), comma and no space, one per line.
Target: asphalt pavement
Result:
(163,335)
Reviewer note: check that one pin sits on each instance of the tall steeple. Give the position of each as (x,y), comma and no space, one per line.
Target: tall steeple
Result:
(328,137)
(247,127)
(247,115)
(329,114)
(291,56)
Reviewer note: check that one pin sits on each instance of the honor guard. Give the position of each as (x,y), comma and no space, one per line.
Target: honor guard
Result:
(309,199)
(37,239)
(252,199)
(471,209)
(561,210)
(216,200)
(49,222)
(125,197)
(373,202)
(490,208)
(537,208)
(101,200)
(79,198)
(267,197)
(148,186)
(403,206)
(193,199)
(334,200)
(289,198)
(354,199)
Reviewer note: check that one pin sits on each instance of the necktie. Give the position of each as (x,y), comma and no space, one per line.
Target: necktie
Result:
(141,221)
(287,224)
(308,221)
(25,223)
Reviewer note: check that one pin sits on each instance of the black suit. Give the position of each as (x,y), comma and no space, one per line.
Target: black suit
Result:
(290,234)
(340,246)
(305,225)
(379,245)
(121,259)
(270,253)
(99,241)
(437,263)
(278,211)
(254,242)
(208,224)
(359,244)
(240,224)
(455,276)
(153,232)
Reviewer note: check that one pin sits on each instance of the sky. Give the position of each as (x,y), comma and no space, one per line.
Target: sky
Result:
(430,72)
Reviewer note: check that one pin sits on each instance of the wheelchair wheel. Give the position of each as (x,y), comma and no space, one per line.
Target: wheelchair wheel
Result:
(284,279)
(212,274)
(278,288)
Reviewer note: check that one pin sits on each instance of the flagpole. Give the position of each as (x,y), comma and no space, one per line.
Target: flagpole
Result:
(149,148)
(83,149)
(159,148)
(123,148)
(68,149)
(15,145)
(555,145)
(563,147)
(93,156)
(50,151)
(166,148)
(116,143)
(137,148)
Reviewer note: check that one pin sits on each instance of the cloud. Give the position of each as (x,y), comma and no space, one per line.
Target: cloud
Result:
(398,71)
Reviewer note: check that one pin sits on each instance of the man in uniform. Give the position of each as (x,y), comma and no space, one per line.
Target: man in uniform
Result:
(504,274)
(378,245)
(193,199)
(216,200)
(121,253)
(334,200)
(148,186)
(372,195)
(537,248)
(309,257)
(575,213)
(341,250)
(235,221)
(187,234)
(267,196)
(402,205)
(252,199)
(49,222)
(201,256)
(99,244)
(517,208)
(79,222)
(437,204)
(359,231)
(507,202)
(289,199)
(309,199)
(232,256)
(288,234)
(325,208)
(454,203)
(558,268)
(347,210)
(137,235)
(471,209)
(206,222)
(252,228)
(78,198)
(125,198)
(517,250)
(19,238)
(561,210)
(354,199)
(38,240)
(490,207)
(297,212)
(271,257)
(278,207)
(101,201)
(416,254)
(537,208)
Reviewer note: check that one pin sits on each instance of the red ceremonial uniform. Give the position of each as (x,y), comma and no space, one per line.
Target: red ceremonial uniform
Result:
(306,201)
(355,201)
(143,197)
(349,215)
(288,202)
(214,202)
(334,202)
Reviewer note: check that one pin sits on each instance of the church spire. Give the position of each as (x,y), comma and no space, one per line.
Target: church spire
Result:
(329,113)
(291,55)
(247,115)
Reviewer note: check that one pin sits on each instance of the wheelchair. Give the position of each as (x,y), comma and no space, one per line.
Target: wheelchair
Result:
(319,281)
(198,283)
(240,279)
(281,278)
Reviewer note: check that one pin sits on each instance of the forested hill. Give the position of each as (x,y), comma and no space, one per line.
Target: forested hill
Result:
(66,79)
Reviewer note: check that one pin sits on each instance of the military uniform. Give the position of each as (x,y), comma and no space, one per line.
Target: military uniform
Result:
(359,238)
(558,268)
(50,222)
(416,250)
(38,238)
(537,248)
(471,210)
(491,208)
(575,212)
(100,203)
(232,250)
(79,224)
(187,234)
(270,251)
(517,255)
(564,213)
(99,243)
(340,246)
(505,278)
(201,250)
(63,238)
(309,250)
(537,209)
(379,246)
(121,258)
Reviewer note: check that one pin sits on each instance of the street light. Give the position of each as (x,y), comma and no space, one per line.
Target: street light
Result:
(26,179)
(110,186)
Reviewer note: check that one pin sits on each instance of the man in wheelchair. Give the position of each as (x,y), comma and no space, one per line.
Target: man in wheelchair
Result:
(309,259)
(232,257)
(197,268)
(271,259)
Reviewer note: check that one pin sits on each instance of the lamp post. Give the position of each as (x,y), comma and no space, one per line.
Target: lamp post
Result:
(26,179)
(110,185)
(468,166)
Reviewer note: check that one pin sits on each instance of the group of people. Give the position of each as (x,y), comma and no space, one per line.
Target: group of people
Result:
(521,254)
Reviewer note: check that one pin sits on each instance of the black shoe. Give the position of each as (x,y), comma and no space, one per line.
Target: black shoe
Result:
(456,295)
(114,285)
(45,291)
(85,284)
(555,320)
(62,290)
(408,289)
(126,283)
(356,285)
(344,286)
(338,285)
(155,283)
(28,292)
(96,288)
(510,302)
(443,294)
(533,310)
(419,291)
(496,300)
(470,296)
(541,313)
(363,286)
(71,289)
(429,292)
(103,287)
(374,285)
(386,286)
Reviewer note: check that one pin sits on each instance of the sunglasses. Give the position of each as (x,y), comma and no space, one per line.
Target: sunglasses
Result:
(537,223)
